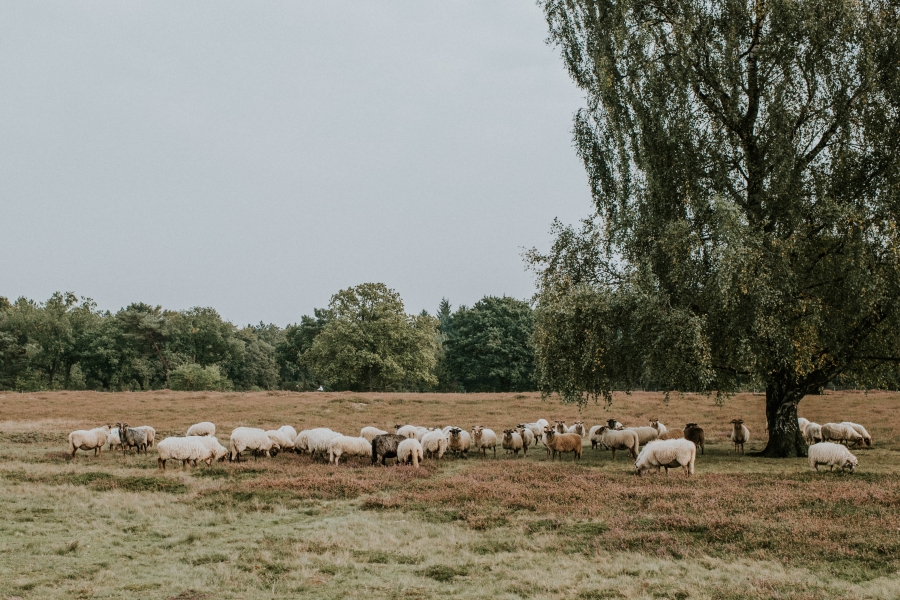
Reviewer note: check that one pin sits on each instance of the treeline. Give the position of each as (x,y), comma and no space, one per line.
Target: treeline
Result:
(363,341)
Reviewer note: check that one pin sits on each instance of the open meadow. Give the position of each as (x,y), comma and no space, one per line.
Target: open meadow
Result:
(742,528)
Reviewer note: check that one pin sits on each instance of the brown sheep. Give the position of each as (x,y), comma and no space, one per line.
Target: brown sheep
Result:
(564,442)
(671,434)
(694,432)
(561,427)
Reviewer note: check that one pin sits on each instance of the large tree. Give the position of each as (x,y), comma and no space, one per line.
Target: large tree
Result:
(744,161)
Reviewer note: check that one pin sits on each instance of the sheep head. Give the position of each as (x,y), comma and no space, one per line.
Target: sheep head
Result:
(611,423)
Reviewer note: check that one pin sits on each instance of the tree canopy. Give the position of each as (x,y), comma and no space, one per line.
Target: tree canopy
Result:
(743,161)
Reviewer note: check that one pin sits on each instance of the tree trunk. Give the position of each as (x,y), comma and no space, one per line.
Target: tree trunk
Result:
(785,439)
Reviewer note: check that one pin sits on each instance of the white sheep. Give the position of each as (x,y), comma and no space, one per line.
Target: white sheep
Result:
(667,454)
(739,434)
(578,428)
(483,438)
(370,433)
(113,440)
(840,432)
(302,441)
(407,431)
(186,449)
(625,439)
(281,438)
(812,433)
(421,431)
(802,423)
(512,441)
(594,436)
(861,431)
(434,444)
(219,451)
(204,428)
(409,451)
(151,434)
(833,455)
(459,441)
(289,431)
(250,438)
(659,427)
(88,439)
(561,427)
(536,429)
(645,434)
(527,438)
(320,440)
(342,445)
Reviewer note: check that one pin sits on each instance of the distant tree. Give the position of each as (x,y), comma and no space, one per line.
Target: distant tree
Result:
(255,366)
(296,340)
(445,317)
(744,160)
(194,377)
(203,337)
(146,328)
(370,343)
(490,346)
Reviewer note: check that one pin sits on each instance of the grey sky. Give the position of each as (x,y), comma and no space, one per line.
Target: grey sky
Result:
(259,156)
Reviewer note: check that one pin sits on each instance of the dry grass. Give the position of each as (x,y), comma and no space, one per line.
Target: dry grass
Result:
(743,528)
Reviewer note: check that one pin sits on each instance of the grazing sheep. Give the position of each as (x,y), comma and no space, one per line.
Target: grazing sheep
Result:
(668,454)
(841,433)
(578,428)
(645,434)
(459,442)
(536,429)
(113,440)
(434,444)
(290,432)
(625,439)
(527,439)
(409,452)
(385,446)
(204,428)
(370,433)
(512,441)
(132,437)
(694,433)
(739,434)
(284,441)
(251,438)
(564,442)
(671,434)
(861,431)
(483,438)
(88,439)
(186,449)
(826,453)
(659,427)
(561,427)
(219,451)
(311,440)
(407,431)
(151,434)
(812,433)
(802,423)
(343,445)
(421,431)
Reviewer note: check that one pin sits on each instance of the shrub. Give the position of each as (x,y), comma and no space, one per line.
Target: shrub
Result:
(193,377)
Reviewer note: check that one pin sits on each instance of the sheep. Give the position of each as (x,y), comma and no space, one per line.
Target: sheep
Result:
(290,432)
(113,440)
(739,434)
(645,434)
(527,439)
(434,444)
(543,423)
(407,431)
(512,441)
(544,439)
(151,434)
(536,430)
(219,451)
(827,453)
(561,427)
(564,442)
(302,441)
(385,446)
(625,439)
(483,439)
(671,434)
(459,442)
(281,438)
(250,438)
(667,454)
(204,428)
(132,437)
(578,428)
(88,439)
(343,445)
(186,449)
(659,427)
(861,431)
(594,436)
(421,431)
(694,433)
(318,441)
(841,433)
(369,433)
(409,451)
(812,433)
(802,423)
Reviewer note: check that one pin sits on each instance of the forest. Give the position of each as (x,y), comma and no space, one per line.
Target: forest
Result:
(362,341)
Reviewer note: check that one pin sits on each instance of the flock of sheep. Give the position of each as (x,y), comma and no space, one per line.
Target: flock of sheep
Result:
(651,447)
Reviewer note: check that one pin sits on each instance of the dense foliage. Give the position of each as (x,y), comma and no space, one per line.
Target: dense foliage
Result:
(744,160)
(363,340)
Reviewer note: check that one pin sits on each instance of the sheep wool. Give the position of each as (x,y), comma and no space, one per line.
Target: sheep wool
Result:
(483,439)
(186,449)
(667,454)
(204,428)
(88,439)
(250,438)
(625,439)
(407,431)
(409,451)
(281,438)
(219,452)
(290,432)
(594,436)
(512,441)
(833,455)
(840,432)
(434,444)
(459,441)
(370,433)
(861,431)
(346,446)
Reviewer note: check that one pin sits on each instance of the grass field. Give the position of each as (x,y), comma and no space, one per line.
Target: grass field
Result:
(743,528)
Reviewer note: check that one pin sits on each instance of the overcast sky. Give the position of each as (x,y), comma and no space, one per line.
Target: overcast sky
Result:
(259,156)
